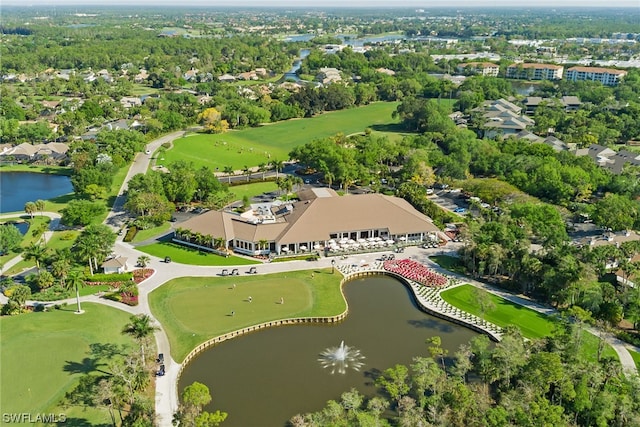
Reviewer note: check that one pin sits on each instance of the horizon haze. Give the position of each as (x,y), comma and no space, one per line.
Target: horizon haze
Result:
(368,4)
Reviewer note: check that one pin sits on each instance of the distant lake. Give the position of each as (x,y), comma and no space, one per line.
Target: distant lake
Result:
(18,188)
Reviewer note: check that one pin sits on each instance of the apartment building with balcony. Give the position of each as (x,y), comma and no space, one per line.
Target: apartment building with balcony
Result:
(535,71)
(606,76)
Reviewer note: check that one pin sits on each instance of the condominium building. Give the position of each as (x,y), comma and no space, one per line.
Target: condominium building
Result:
(606,76)
(535,71)
(484,68)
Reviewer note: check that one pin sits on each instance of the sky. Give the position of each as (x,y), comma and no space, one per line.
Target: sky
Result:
(426,4)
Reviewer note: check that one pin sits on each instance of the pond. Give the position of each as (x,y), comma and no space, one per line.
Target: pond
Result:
(265,378)
(18,188)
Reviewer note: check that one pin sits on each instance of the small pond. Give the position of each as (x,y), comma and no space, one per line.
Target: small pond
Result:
(18,188)
(265,378)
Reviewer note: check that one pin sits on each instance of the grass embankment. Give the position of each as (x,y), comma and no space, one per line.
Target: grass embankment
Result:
(186,255)
(251,147)
(533,325)
(44,354)
(636,358)
(193,309)
(448,262)
(34,224)
(149,233)
(53,170)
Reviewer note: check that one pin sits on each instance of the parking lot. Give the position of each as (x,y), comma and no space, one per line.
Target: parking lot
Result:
(450,200)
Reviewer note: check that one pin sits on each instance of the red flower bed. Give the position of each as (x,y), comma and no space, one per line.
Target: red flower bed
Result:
(415,271)
(142,274)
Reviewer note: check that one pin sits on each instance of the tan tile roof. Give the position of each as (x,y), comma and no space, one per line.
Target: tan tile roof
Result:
(215,223)
(315,220)
(115,262)
(537,65)
(597,70)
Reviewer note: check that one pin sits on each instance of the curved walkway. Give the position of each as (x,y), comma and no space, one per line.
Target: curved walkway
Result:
(54,225)
(429,299)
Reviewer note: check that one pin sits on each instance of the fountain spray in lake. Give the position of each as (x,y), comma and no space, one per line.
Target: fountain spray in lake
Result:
(341,358)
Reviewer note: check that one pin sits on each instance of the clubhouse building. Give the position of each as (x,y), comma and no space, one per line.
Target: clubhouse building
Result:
(320,220)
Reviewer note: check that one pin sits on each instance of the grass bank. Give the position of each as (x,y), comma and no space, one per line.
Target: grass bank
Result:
(44,354)
(251,147)
(533,325)
(195,309)
(186,255)
(52,170)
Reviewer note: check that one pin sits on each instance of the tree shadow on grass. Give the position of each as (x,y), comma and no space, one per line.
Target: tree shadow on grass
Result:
(80,422)
(432,324)
(86,366)
(65,198)
(389,127)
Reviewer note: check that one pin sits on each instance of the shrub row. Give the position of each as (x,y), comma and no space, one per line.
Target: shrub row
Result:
(131,233)
(109,278)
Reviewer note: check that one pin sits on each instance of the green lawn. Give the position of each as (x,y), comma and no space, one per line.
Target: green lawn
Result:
(251,147)
(194,309)
(253,189)
(53,170)
(186,255)
(142,235)
(450,263)
(44,354)
(533,325)
(636,358)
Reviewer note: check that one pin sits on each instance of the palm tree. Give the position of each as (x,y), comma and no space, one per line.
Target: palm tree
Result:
(246,171)
(40,206)
(218,242)
(277,165)
(30,208)
(262,168)
(262,244)
(143,260)
(229,171)
(140,329)
(36,252)
(60,269)
(75,280)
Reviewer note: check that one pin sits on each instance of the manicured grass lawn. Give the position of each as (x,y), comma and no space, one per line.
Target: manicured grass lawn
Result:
(449,262)
(253,189)
(195,309)
(185,255)
(151,232)
(54,170)
(533,325)
(44,354)
(252,147)
(636,358)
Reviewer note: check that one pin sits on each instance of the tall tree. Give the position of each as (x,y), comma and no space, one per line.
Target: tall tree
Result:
(75,281)
(140,328)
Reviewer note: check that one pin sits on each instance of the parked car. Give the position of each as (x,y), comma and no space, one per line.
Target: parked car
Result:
(460,210)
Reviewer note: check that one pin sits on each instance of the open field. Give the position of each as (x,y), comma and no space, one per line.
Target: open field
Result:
(449,263)
(194,309)
(251,147)
(143,235)
(253,189)
(533,325)
(44,354)
(186,255)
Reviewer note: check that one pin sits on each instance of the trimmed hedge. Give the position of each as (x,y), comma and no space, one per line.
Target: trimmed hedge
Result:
(131,233)
(115,277)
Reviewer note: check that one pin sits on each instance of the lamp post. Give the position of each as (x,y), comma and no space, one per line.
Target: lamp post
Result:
(333,266)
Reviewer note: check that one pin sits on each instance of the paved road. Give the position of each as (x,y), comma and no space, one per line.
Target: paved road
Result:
(117,215)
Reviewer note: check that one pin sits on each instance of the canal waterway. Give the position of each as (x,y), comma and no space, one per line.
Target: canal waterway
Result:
(18,188)
(265,378)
